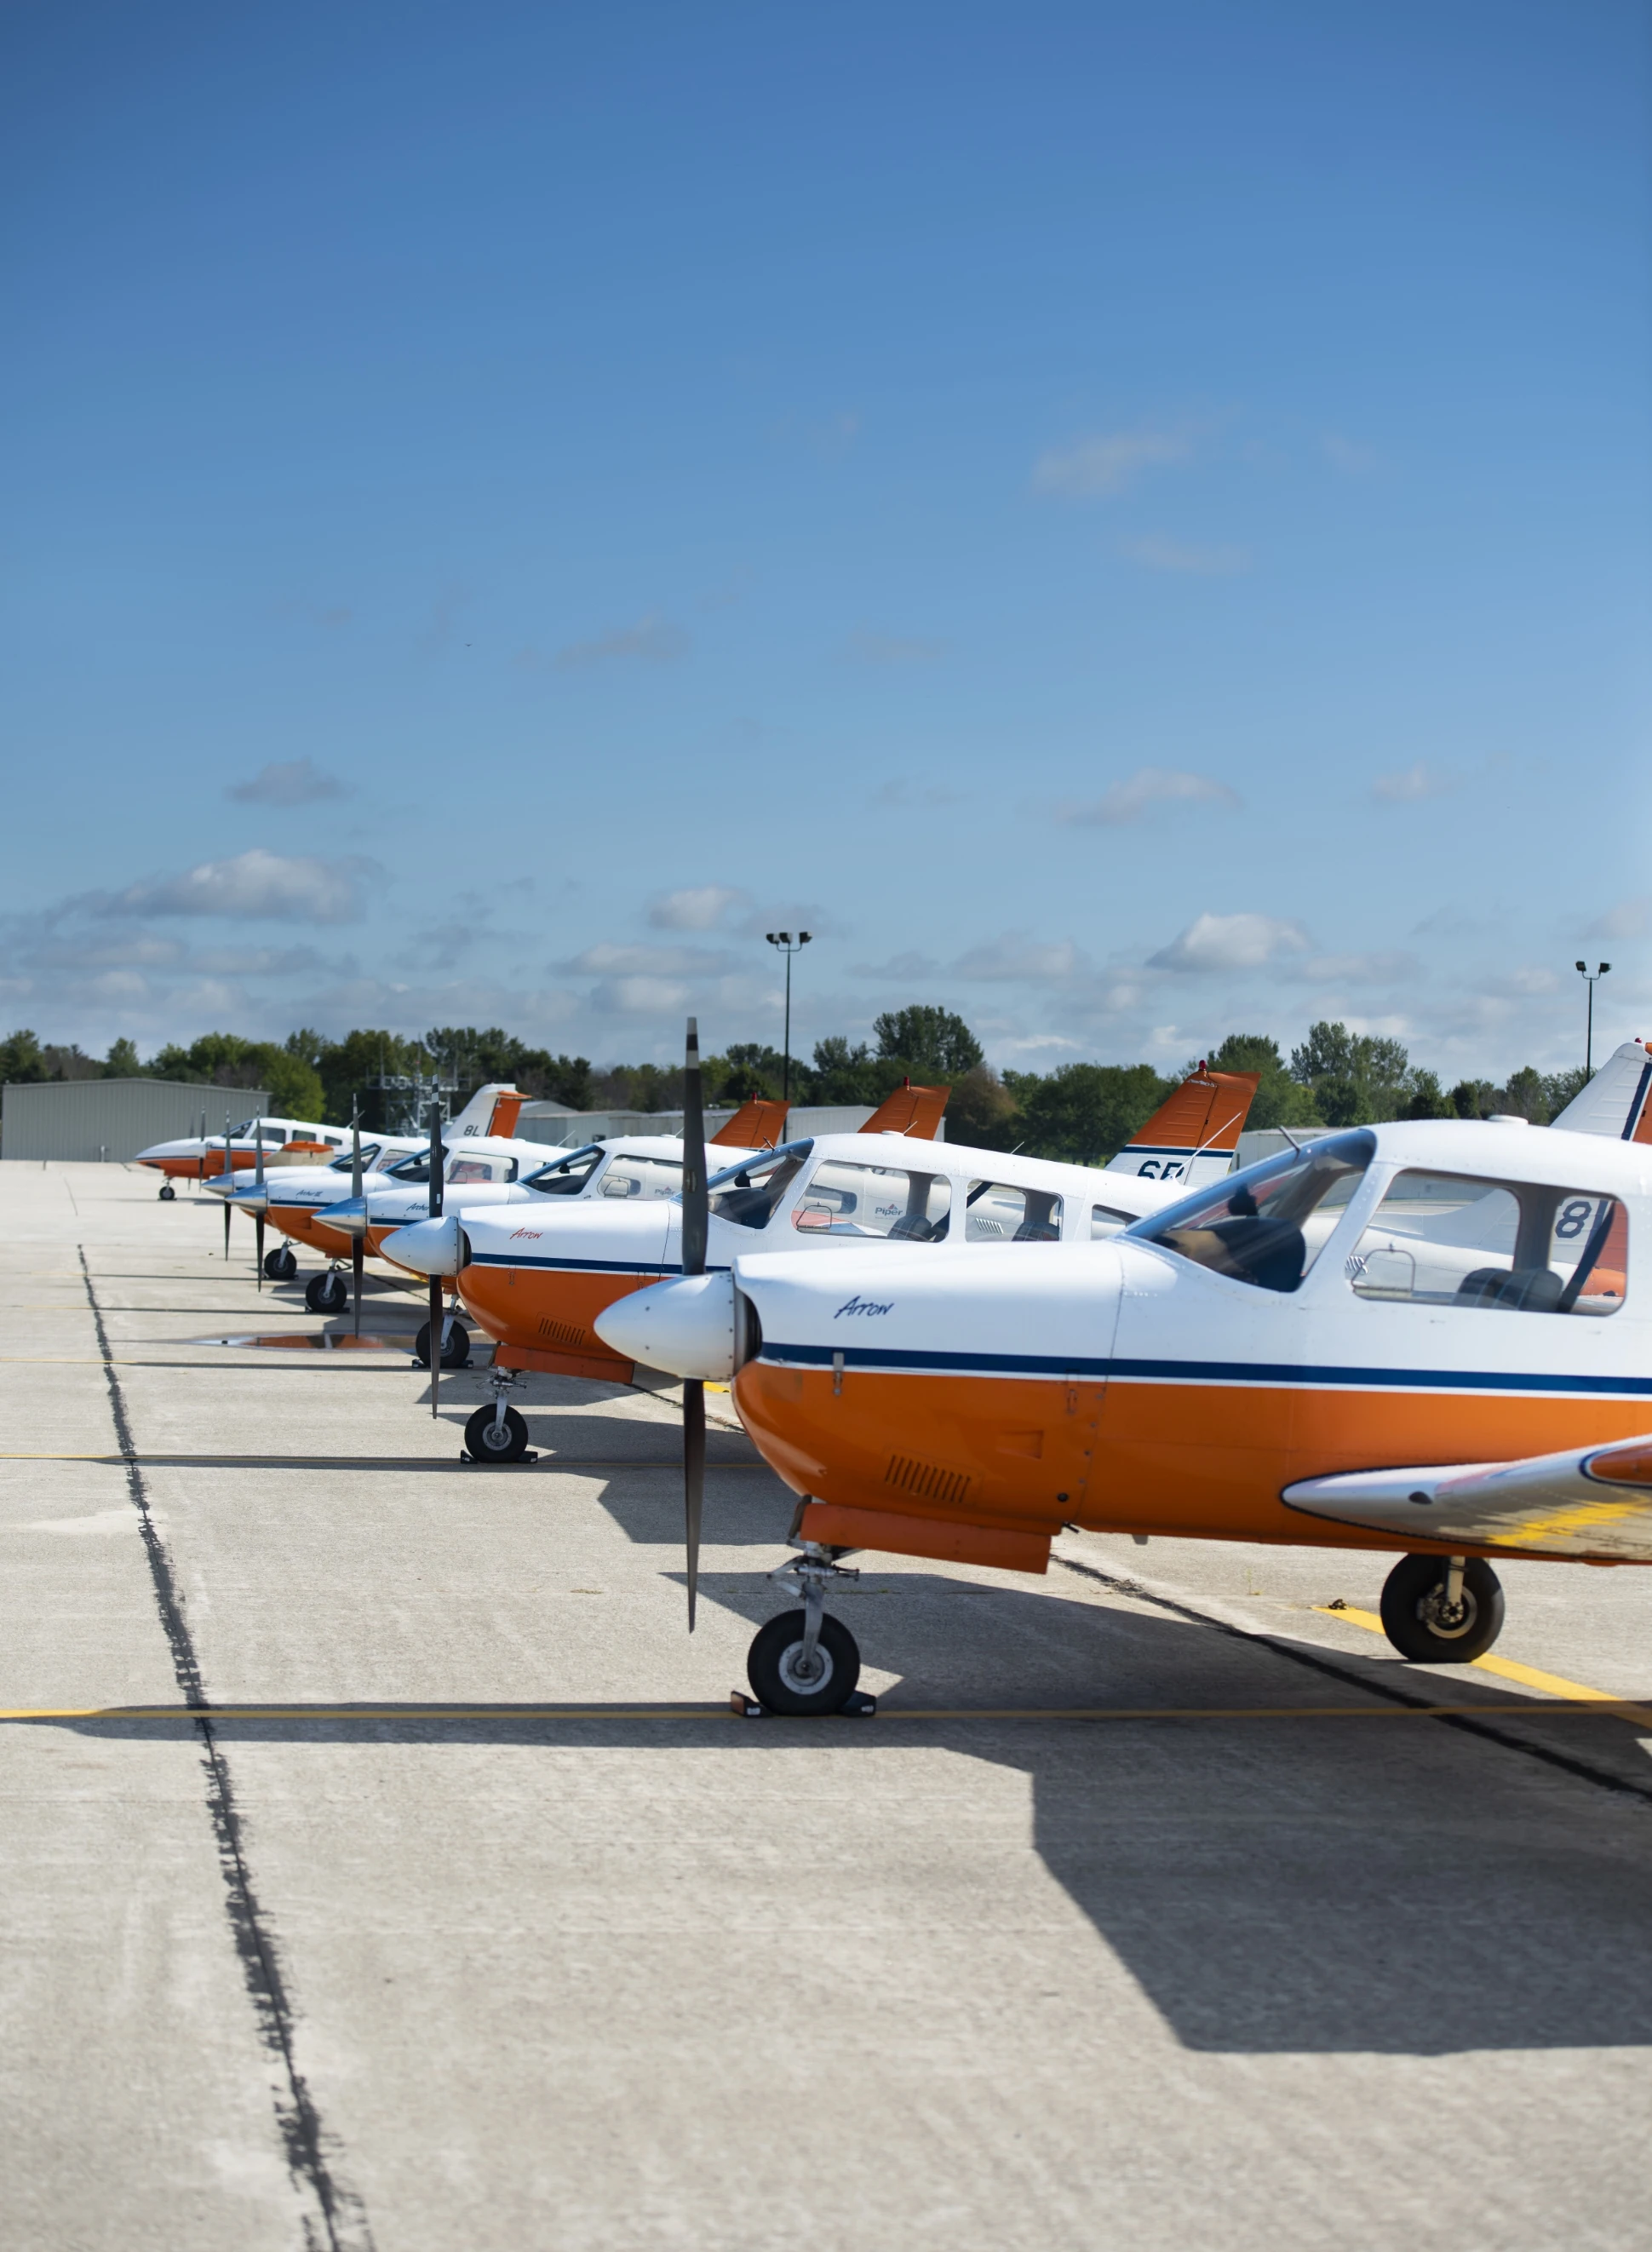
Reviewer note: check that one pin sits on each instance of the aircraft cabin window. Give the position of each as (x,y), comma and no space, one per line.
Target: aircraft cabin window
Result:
(650,1178)
(568,1175)
(1268,1224)
(886,1203)
(1105,1223)
(749,1193)
(1516,1247)
(482,1169)
(994,1212)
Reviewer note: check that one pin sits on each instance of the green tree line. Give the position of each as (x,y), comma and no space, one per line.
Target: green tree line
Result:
(1083,1112)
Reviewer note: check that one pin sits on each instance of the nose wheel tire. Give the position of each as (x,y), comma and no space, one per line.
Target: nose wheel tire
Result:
(168,1193)
(785,1682)
(280,1266)
(488,1441)
(1425,1626)
(454,1354)
(328,1293)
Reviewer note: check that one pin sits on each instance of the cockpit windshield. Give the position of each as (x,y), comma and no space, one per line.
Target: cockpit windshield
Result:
(749,1193)
(412,1169)
(1268,1224)
(347,1163)
(567,1176)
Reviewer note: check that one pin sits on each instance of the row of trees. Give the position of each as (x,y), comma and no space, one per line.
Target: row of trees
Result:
(1080,1111)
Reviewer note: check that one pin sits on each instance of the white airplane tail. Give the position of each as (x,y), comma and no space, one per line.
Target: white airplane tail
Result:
(492,1109)
(1615,1101)
(1193,1137)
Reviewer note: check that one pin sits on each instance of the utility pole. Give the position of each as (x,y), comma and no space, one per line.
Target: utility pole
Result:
(783,943)
(1591,978)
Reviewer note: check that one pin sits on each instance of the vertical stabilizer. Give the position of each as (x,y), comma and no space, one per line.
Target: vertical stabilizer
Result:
(758,1125)
(1193,1137)
(484,1106)
(914,1110)
(1615,1101)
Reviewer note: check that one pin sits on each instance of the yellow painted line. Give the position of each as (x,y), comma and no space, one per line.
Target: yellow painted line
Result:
(1561,1522)
(1528,1677)
(460,1714)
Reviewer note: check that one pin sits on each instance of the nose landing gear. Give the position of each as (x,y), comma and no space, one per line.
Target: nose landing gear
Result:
(803,1663)
(280,1266)
(1443,1610)
(328,1293)
(456,1344)
(497,1434)
(168,1193)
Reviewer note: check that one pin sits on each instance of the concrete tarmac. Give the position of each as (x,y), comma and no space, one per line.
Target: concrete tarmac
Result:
(425,1938)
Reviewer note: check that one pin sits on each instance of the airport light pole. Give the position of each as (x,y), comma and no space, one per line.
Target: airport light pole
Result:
(783,943)
(1591,978)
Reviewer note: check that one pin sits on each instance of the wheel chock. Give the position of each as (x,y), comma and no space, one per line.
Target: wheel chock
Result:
(860,1707)
(477,1463)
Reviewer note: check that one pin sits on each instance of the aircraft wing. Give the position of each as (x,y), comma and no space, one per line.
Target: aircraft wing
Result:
(1587,1501)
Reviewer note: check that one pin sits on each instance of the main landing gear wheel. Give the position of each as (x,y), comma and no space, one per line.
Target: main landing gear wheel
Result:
(280,1266)
(328,1293)
(490,1441)
(455,1350)
(786,1680)
(1443,1610)
(168,1193)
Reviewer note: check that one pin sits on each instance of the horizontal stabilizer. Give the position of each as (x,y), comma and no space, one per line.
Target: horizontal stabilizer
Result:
(1588,1501)
(1193,1137)
(1614,1101)
(758,1125)
(914,1110)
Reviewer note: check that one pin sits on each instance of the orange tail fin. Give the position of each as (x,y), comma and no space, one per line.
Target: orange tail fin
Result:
(1207,1112)
(507,1108)
(914,1110)
(758,1125)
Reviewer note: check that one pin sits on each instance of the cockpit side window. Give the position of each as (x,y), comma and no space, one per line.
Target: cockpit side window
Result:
(1519,1246)
(1267,1225)
(889,1204)
(749,1193)
(636,1177)
(998,1211)
(412,1169)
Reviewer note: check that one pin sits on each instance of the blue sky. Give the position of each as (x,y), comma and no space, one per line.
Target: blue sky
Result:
(1134,522)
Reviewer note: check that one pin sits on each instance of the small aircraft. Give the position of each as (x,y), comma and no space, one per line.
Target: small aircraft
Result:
(197,1157)
(540,1283)
(292,1198)
(1299,1354)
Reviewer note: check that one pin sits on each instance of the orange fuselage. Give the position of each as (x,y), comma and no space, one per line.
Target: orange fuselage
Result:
(541,1318)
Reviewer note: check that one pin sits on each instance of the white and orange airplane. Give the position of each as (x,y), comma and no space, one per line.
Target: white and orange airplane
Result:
(1302,1353)
(538,1284)
(198,1157)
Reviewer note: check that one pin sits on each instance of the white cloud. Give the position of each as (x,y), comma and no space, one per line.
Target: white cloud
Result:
(1096,467)
(912,963)
(697,908)
(1234,941)
(1627,919)
(650,640)
(604,961)
(256,885)
(1382,968)
(291,781)
(639,996)
(1411,784)
(1159,552)
(1129,800)
(1014,957)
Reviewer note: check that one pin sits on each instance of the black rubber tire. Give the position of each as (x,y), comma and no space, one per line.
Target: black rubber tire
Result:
(455,1352)
(483,1436)
(281,1265)
(1415,1586)
(327,1293)
(778,1691)
(168,1193)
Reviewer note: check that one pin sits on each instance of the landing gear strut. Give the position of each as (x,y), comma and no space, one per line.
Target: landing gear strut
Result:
(280,1266)
(802,1662)
(1443,1610)
(328,1293)
(168,1193)
(497,1434)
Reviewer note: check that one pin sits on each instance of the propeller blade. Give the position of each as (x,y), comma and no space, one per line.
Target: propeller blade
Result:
(257,1245)
(695,1210)
(226,1222)
(357,1254)
(693,1483)
(437,1157)
(355,1153)
(257,1176)
(358,1251)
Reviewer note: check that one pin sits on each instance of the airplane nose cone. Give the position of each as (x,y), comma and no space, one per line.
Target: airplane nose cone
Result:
(684,1326)
(429,1246)
(349,1215)
(254,1198)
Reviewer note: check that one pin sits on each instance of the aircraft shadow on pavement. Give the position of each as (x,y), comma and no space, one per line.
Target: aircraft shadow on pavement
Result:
(1390,1885)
